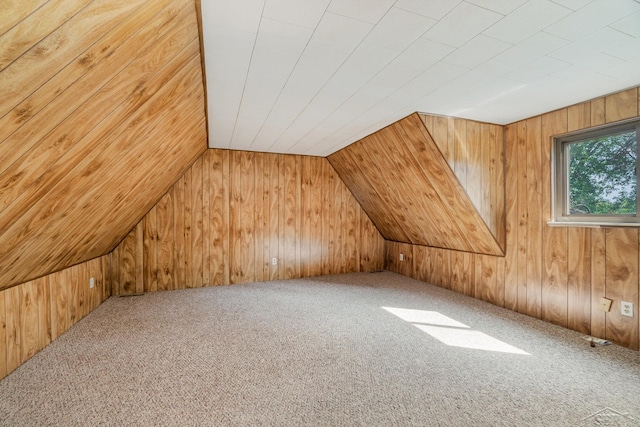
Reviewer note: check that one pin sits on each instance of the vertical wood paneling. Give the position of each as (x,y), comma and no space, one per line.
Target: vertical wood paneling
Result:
(34,313)
(554,239)
(556,273)
(206,215)
(197,211)
(511,216)
(622,284)
(89,105)
(3,337)
(579,279)
(150,245)
(12,321)
(259,206)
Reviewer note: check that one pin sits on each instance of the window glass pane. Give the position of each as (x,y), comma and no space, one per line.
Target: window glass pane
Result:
(602,176)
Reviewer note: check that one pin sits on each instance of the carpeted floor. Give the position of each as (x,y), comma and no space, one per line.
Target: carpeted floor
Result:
(320,352)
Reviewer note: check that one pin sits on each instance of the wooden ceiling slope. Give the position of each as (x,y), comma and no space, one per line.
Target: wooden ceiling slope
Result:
(102,109)
(405,185)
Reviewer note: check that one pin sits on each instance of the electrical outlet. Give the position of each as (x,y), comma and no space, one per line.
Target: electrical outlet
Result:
(274,261)
(401,257)
(626,308)
(605,304)
(92,282)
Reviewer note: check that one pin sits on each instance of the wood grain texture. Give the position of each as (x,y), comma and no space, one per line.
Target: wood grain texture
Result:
(314,225)
(37,312)
(402,180)
(92,99)
(557,274)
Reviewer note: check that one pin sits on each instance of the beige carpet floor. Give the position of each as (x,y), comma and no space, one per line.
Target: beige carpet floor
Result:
(367,349)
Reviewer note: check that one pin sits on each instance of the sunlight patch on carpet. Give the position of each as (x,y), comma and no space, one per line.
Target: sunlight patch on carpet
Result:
(451,332)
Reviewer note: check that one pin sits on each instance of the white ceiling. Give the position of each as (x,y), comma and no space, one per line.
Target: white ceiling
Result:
(312,76)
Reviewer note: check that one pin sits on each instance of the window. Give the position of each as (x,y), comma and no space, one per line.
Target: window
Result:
(595,176)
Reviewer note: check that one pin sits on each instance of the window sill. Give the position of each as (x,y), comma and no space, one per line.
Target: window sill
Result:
(592,224)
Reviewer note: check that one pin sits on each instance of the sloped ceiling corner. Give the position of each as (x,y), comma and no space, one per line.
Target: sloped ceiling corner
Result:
(102,110)
(404,183)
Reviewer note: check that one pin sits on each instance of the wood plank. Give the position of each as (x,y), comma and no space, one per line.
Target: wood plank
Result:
(225,215)
(206,218)
(621,105)
(139,259)
(597,112)
(12,328)
(59,47)
(554,239)
(74,309)
(298,216)
(196,224)
(274,215)
(216,194)
(316,208)
(578,116)
(235,212)
(265,238)
(247,218)
(461,151)
(579,280)
(187,227)
(87,66)
(44,312)
(58,305)
(474,166)
(33,28)
(28,320)
(179,262)
(16,11)
(106,285)
(511,217)
(150,255)
(305,215)
(289,231)
(328,175)
(3,337)
(534,217)
(282,220)
(486,279)
(522,209)
(165,251)
(350,251)
(488,172)
(127,264)
(622,284)
(259,218)
(598,281)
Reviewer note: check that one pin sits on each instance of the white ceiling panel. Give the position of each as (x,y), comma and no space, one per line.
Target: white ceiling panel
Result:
(435,9)
(526,21)
(480,49)
(462,24)
(364,10)
(592,17)
(312,76)
(399,28)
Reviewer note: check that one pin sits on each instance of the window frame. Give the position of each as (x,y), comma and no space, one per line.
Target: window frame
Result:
(560,178)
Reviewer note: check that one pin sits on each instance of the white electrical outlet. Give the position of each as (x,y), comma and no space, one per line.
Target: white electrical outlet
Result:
(92,282)
(401,257)
(274,261)
(626,308)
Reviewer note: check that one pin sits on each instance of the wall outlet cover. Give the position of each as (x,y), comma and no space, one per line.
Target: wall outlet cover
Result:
(605,304)
(626,308)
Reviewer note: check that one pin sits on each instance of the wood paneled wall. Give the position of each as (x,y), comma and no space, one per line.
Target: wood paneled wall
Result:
(95,95)
(403,180)
(557,274)
(475,153)
(37,312)
(229,215)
